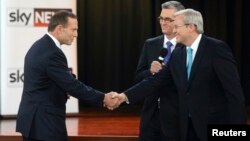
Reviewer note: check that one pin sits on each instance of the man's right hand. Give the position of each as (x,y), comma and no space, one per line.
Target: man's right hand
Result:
(156,66)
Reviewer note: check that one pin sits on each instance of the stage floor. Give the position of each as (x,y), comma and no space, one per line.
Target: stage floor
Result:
(88,126)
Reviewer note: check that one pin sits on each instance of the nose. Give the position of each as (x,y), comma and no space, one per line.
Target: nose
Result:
(174,31)
(76,34)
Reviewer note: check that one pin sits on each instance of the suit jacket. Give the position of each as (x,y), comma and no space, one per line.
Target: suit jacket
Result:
(168,111)
(47,80)
(212,95)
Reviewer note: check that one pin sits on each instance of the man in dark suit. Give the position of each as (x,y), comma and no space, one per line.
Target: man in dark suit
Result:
(150,122)
(209,91)
(47,81)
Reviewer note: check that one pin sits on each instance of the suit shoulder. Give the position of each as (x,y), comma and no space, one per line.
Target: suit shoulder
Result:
(215,45)
(155,39)
(179,46)
(43,47)
(43,41)
(212,40)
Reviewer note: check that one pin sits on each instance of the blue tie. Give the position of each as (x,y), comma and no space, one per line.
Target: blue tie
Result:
(190,60)
(169,45)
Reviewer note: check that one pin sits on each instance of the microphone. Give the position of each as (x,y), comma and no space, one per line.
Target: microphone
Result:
(163,54)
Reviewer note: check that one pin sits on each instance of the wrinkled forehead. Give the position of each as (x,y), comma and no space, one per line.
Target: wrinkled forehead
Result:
(178,19)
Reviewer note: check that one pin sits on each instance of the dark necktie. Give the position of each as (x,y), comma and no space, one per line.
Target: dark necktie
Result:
(169,45)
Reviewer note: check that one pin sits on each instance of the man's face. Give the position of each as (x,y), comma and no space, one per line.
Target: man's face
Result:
(69,32)
(166,21)
(181,29)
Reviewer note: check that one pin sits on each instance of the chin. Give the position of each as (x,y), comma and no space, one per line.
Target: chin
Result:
(164,31)
(177,40)
(69,43)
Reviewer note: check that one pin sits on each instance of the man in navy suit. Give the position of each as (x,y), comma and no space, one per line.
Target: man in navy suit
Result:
(151,122)
(209,91)
(47,81)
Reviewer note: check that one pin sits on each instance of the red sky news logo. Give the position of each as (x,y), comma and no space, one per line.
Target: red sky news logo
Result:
(37,17)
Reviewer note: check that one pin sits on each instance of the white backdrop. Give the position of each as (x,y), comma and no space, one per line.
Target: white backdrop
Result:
(22,23)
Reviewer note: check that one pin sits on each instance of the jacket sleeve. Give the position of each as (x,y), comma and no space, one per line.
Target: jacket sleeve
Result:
(143,68)
(141,90)
(58,71)
(226,70)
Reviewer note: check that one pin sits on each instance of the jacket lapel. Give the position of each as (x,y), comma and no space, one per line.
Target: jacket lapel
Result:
(184,63)
(198,57)
(160,42)
(156,47)
(182,67)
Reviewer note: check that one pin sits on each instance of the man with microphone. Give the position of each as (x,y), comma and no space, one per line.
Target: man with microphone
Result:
(156,53)
(205,74)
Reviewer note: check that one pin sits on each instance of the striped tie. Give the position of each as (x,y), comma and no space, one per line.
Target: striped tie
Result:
(169,45)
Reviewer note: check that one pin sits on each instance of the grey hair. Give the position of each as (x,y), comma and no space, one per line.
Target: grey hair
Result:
(192,16)
(172,5)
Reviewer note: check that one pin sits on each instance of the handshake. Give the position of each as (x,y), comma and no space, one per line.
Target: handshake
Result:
(112,100)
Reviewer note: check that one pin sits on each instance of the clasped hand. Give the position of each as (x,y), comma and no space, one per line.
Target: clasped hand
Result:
(112,100)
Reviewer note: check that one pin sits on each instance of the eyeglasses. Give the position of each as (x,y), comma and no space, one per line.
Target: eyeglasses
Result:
(167,19)
(177,26)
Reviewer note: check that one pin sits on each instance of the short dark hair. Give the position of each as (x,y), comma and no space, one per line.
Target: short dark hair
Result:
(172,5)
(60,18)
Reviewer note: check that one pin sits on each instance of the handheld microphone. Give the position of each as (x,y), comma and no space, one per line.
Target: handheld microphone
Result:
(163,54)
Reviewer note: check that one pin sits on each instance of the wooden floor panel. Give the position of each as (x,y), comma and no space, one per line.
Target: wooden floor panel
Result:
(86,128)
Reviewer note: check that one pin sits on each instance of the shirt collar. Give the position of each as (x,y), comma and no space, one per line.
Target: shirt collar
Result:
(55,40)
(195,44)
(173,41)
